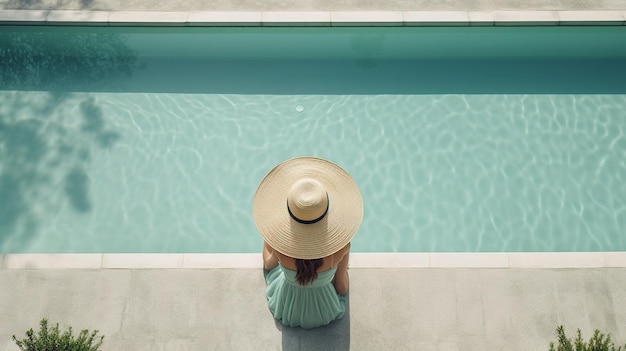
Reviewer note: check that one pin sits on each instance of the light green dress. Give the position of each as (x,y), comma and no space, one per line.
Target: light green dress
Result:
(309,306)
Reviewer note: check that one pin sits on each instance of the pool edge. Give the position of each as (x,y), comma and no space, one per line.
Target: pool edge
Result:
(357,260)
(312,18)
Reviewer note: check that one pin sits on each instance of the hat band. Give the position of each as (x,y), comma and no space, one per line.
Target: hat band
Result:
(313,220)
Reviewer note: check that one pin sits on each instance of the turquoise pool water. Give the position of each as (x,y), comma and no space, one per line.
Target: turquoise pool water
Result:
(461,139)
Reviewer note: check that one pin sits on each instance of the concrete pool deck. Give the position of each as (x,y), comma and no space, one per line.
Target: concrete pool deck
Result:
(397,302)
(421,301)
(312,13)
(316,5)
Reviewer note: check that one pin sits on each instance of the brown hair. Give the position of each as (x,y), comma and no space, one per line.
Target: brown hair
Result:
(307,270)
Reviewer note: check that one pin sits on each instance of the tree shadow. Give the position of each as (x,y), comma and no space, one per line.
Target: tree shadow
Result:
(40,5)
(47,134)
(335,336)
(85,4)
(63,59)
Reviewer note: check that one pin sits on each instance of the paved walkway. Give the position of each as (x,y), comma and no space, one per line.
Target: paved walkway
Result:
(314,5)
(390,309)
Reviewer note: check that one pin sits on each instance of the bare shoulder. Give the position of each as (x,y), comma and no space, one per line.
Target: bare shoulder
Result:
(346,248)
(342,253)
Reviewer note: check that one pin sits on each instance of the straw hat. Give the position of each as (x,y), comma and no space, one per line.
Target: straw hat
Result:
(307,208)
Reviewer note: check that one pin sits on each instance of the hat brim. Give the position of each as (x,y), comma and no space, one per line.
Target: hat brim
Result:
(307,241)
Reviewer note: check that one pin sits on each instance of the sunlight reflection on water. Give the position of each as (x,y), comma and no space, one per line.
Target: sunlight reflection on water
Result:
(438,173)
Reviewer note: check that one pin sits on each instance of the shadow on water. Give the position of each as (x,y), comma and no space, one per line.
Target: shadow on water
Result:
(335,336)
(46,143)
(59,60)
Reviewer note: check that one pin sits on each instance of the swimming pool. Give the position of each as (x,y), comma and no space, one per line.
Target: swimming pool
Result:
(461,139)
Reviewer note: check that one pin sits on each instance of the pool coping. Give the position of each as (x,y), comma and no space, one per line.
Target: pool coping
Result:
(357,260)
(313,18)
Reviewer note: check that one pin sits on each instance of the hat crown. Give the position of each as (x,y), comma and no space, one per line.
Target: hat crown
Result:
(307,200)
(307,185)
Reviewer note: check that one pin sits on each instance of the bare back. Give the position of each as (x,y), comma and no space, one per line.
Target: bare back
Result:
(271,258)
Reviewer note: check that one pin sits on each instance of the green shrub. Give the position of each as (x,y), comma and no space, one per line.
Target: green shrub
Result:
(50,339)
(598,342)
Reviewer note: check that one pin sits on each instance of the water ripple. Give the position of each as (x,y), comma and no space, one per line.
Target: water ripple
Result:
(437,172)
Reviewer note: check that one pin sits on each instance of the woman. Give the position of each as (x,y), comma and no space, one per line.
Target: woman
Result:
(307,210)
